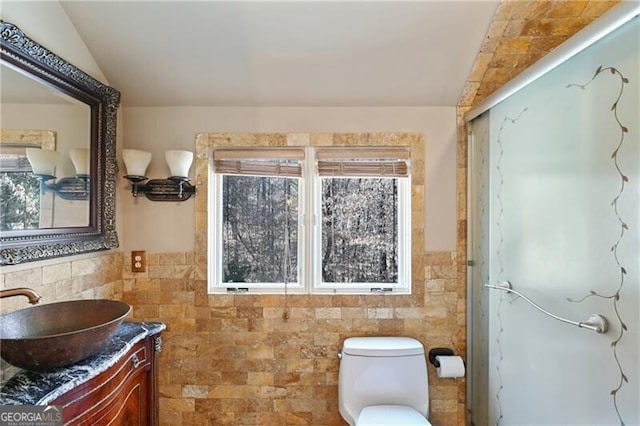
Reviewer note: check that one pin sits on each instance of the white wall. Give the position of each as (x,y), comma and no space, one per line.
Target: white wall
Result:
(158,226)
(158,129)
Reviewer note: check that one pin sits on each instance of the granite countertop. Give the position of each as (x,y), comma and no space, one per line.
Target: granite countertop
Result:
(22,387)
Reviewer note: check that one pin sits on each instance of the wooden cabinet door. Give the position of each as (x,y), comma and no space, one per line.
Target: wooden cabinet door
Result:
(123,395)
(130,407)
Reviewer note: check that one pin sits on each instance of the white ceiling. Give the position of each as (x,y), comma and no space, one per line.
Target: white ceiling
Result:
(284,53)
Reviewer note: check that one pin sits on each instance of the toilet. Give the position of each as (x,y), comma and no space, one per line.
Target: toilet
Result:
(382,381)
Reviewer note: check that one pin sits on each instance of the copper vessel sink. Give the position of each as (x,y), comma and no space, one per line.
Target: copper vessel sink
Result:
(59,334)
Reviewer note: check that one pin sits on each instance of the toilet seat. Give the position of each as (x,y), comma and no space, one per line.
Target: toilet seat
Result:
(391,415)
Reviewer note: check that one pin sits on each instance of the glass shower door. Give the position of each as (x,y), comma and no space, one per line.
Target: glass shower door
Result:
(554,209)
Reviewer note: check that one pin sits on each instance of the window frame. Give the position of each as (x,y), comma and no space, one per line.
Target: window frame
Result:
(309,234)
(215,245)
(403,285)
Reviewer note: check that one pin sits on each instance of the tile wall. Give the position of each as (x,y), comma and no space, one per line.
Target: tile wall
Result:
(97,276)
(233,360)
(523,31)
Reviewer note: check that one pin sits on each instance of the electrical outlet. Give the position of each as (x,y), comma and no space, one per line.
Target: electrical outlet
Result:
(139,261)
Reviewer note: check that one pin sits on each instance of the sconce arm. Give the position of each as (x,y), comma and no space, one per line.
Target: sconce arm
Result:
(171,189)
(68,188)
(73,188)
(135,183)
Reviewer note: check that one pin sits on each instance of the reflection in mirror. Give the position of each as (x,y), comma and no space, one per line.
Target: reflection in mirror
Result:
(29,104)
(22,204)
(30,196)
(50,106)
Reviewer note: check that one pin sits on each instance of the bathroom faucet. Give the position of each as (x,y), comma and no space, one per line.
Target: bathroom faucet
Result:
(22,291)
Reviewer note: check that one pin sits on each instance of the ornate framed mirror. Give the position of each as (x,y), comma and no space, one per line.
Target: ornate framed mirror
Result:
(74,205)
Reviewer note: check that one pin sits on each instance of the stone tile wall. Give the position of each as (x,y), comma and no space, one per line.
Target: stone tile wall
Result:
(233,360)
(95,277)
(522,32)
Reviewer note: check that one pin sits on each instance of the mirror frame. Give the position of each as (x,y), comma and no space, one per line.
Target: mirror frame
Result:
(35,61)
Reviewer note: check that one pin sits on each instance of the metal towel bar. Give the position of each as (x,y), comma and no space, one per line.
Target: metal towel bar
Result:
(596,322)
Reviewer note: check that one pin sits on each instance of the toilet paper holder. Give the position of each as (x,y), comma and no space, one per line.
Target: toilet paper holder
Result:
(433,353)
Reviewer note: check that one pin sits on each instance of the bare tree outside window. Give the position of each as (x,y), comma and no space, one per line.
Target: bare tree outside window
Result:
(359,230)
(260,226)
(19,201)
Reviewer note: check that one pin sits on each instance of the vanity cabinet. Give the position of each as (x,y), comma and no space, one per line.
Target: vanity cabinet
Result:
(117,386)
(124,394)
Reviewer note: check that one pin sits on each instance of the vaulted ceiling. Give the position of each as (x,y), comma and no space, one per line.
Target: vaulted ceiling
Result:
(321,53)
(284,53)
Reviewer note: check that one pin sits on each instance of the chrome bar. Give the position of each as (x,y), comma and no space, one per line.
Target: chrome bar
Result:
(596,322)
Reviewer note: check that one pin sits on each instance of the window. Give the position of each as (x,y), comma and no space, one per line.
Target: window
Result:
(321,220)
(19,192)
(257,214)
(362,204)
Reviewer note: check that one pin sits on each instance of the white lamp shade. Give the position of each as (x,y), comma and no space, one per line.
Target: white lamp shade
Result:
(136,161)
(43,161)
(179,162)
(80,160)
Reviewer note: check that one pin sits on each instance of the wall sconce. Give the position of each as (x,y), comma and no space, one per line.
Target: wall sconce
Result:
(43,164)
(174,188)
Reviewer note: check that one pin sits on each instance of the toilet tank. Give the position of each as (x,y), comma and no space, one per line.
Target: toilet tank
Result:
(382,371)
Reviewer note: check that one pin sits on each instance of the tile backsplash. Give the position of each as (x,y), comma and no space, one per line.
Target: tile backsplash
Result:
(96,276)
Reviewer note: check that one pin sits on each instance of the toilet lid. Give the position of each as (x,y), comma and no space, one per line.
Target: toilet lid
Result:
(391,415)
